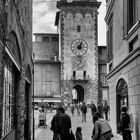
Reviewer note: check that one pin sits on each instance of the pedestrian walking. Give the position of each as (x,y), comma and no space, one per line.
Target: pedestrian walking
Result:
(78,133)
(60,125)
(99,111)
(106,110)
(84,111)
(93,108)
(125,124)
(78,109)
(72,108)
(101,130)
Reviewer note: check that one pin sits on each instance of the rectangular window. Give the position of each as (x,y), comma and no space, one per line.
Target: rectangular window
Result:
(84,74)
(78,28)
(46,39)
(54,39)
(110,40)
(74,74)
(47,89)
(110,66)
(48,76)
(133,44)
(131,14)
(9,103)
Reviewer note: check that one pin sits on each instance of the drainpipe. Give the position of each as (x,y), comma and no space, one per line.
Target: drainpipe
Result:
(33,102)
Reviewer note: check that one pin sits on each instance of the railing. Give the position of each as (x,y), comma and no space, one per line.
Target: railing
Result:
(84,78)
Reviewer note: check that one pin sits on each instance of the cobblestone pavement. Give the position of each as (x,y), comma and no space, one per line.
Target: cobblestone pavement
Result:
(46,133)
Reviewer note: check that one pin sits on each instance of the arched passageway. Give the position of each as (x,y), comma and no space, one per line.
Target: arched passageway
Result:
(80,93)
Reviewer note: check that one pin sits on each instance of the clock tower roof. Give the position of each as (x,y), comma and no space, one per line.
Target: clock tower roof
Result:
(90,3)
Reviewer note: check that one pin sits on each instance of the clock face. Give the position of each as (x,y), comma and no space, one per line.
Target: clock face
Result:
(79,47)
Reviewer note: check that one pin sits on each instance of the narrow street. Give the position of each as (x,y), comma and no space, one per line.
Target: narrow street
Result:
(46,133)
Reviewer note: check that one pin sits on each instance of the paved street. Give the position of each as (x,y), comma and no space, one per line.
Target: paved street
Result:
(46,134)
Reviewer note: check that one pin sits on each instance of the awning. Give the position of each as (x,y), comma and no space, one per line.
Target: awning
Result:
(48,100)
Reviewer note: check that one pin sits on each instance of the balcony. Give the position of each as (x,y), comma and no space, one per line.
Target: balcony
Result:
(80,79)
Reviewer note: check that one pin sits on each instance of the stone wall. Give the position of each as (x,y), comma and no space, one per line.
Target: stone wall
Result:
(131,74)
(16,19)
(86,18)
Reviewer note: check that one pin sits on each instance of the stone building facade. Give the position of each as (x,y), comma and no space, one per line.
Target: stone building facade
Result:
(47,69)
(102,70)
(78,42)
(123,43)
(16,68)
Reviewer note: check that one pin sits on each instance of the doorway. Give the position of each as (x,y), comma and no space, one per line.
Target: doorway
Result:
(122,99)
(27,122)
(80,93)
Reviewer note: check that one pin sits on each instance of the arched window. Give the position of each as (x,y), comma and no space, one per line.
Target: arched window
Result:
(122,99)
(12,64)
(9,96)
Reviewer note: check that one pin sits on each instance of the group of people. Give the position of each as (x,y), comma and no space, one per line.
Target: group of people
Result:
(102,130)
(80,107)
(61,124)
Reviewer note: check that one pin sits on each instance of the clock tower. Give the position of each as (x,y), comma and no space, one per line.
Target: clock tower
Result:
(78,47)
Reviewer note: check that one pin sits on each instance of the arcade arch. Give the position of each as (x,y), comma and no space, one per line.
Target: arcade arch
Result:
(80,93)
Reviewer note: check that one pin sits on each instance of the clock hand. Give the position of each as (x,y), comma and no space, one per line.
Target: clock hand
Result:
(79,47)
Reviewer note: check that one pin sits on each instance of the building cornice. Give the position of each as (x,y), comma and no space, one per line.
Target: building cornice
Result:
(108,13)
(124,62)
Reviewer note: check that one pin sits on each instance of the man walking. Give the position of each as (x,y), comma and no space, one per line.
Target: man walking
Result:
(125,124)
(106,109)
(93,108)
(84,111)
(60,125)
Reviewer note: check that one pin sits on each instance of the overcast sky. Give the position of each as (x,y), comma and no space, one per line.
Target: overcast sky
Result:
(44,18)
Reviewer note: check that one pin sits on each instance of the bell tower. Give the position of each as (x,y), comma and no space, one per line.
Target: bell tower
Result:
(78,45)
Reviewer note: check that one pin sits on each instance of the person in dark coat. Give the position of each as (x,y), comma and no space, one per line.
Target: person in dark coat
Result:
(60,125)
(125,124)
(93,108)
(99,111)
(84,111)
(78,133)
(106,110)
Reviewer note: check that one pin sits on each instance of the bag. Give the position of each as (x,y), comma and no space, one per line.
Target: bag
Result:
(72,137)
